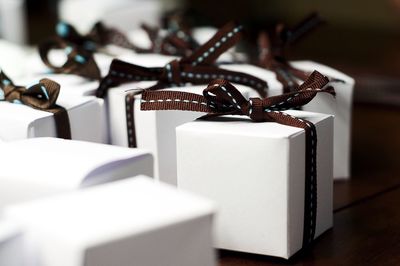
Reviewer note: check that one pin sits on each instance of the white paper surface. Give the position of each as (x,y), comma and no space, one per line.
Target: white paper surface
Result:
(255,172)
(341,107)
(11,244)
(13,58)
(39,167)
(115,224)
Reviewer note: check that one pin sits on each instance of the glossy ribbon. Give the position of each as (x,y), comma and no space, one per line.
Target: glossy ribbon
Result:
(222,98)
(41,96)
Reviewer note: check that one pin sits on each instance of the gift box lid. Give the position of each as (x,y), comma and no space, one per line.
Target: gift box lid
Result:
(75,162)
(239,125)
(111,211)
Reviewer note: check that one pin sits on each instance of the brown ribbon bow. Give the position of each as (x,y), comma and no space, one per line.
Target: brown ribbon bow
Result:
(41,96)
(222,98)
(272,48)
(198,68)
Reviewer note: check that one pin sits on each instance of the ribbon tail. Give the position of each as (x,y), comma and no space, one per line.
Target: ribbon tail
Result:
(310,192)
(304,27)
(224,39)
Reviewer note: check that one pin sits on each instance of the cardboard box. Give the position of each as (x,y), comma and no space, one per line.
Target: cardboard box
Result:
(255,172)
(340,106)
(41,167)
(86,115)
(135,221)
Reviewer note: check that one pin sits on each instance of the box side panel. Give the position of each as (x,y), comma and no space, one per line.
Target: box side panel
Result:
(117,117)
(167,121)
(246,176)
(325,161)
(186,243)
(87,122)
(146,134)
(296,186)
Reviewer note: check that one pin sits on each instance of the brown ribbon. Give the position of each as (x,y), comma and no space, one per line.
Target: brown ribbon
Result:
(272,48)
(79,61)
(81,48)
(222,98)
(41,96)
(198,68)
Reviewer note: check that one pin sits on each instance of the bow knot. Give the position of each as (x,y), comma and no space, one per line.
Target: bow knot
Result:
(223,98)
(42,95)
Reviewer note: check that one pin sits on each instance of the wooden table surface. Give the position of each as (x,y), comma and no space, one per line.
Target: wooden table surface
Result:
(366,208)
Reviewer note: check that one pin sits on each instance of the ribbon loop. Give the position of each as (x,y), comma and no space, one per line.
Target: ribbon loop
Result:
(42,96)
(226,97)
(79,61)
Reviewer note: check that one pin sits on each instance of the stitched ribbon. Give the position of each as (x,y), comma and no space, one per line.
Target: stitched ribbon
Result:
(80,48)
(272,47)
(222,98)
(198,68)
(41,96)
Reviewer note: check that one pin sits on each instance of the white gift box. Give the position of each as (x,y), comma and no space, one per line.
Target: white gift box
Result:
(11,244)
(155,130)
(40,167)
(130,222)
(340,106)
(255,172)
(86,115)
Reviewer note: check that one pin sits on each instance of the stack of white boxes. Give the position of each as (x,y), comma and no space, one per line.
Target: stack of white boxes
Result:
(93,201)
